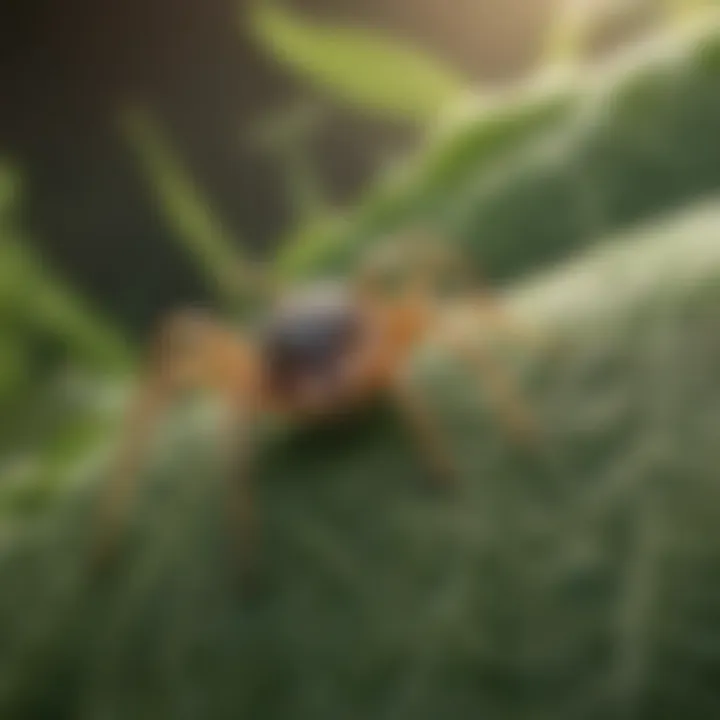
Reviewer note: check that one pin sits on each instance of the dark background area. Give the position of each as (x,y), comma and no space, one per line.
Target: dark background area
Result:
(67,67)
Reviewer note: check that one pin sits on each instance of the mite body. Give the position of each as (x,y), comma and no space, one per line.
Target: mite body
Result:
(321,350)
(308,344)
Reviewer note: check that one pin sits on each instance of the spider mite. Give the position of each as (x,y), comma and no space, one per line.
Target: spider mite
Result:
(320,350)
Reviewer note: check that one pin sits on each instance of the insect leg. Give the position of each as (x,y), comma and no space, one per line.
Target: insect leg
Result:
(189,351)
(426,433)
(505,395)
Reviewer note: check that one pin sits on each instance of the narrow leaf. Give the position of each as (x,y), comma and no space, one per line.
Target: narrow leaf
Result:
(186,211)
(357,66)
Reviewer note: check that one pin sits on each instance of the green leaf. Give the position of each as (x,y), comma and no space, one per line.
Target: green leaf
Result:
(197,226)
(551,169)
(358,66)
(32,295)
(38,302)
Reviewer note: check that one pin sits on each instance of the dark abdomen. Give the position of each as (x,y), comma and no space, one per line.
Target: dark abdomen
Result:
(309,338)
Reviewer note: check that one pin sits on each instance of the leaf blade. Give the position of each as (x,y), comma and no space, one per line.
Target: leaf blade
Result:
(358,66)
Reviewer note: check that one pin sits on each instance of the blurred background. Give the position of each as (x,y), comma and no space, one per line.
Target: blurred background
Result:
(150,152)
(70,69)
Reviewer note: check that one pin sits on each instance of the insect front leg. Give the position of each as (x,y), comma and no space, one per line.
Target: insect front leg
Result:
(189,351)
(240,512)
(116,498)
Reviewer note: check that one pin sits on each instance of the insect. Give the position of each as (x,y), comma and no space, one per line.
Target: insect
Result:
(320,351)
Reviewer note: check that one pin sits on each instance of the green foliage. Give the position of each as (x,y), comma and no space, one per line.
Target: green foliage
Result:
(575,26)
(60,424)
(577,582)
(46,328)
(34,300)
(217,254)
(592,154)
(359,67)
(286,138)
(411,194)
(51,344)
